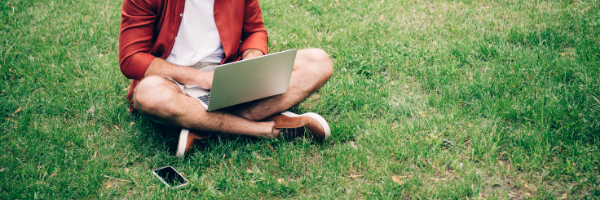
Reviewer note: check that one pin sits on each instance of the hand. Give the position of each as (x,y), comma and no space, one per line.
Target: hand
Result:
(183,75)
(204,80)
(251,53)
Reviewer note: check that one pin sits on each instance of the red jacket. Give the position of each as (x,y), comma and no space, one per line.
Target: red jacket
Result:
(149,27)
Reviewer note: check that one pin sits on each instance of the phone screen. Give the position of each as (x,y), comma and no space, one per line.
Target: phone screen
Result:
(170,176)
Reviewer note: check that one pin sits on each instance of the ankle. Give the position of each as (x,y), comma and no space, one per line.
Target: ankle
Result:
(274,133)
(271,131)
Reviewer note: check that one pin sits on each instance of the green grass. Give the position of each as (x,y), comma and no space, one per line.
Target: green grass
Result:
(458,99)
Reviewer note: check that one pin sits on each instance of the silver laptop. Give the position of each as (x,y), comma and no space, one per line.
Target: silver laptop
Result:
(247,80)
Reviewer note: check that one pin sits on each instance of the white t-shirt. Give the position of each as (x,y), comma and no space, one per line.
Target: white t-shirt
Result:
(198,38)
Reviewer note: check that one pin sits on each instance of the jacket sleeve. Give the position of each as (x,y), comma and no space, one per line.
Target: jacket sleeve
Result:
(254,34)
(135,37)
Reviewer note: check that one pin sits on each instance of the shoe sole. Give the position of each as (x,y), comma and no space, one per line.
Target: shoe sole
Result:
(182,143)
(315,116)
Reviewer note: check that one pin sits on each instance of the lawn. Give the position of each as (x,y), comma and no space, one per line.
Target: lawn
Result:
(436,99)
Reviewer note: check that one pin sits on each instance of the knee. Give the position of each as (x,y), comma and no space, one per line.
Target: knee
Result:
(152,94)
(321,59)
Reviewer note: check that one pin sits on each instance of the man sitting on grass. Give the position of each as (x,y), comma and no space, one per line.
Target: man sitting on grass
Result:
(166,43)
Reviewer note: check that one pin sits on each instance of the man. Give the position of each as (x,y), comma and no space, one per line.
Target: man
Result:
(164,44)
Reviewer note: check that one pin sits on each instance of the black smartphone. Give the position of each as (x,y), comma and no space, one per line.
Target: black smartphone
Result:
(170,176)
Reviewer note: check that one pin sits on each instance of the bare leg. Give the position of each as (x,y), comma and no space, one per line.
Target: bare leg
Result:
(161,99)
(312,69)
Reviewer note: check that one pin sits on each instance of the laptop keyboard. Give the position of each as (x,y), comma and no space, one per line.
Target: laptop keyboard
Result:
(204,98)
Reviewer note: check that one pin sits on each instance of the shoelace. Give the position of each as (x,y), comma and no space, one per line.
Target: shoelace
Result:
(290,133)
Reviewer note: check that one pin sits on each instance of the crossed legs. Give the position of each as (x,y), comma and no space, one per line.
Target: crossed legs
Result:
(161,99)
